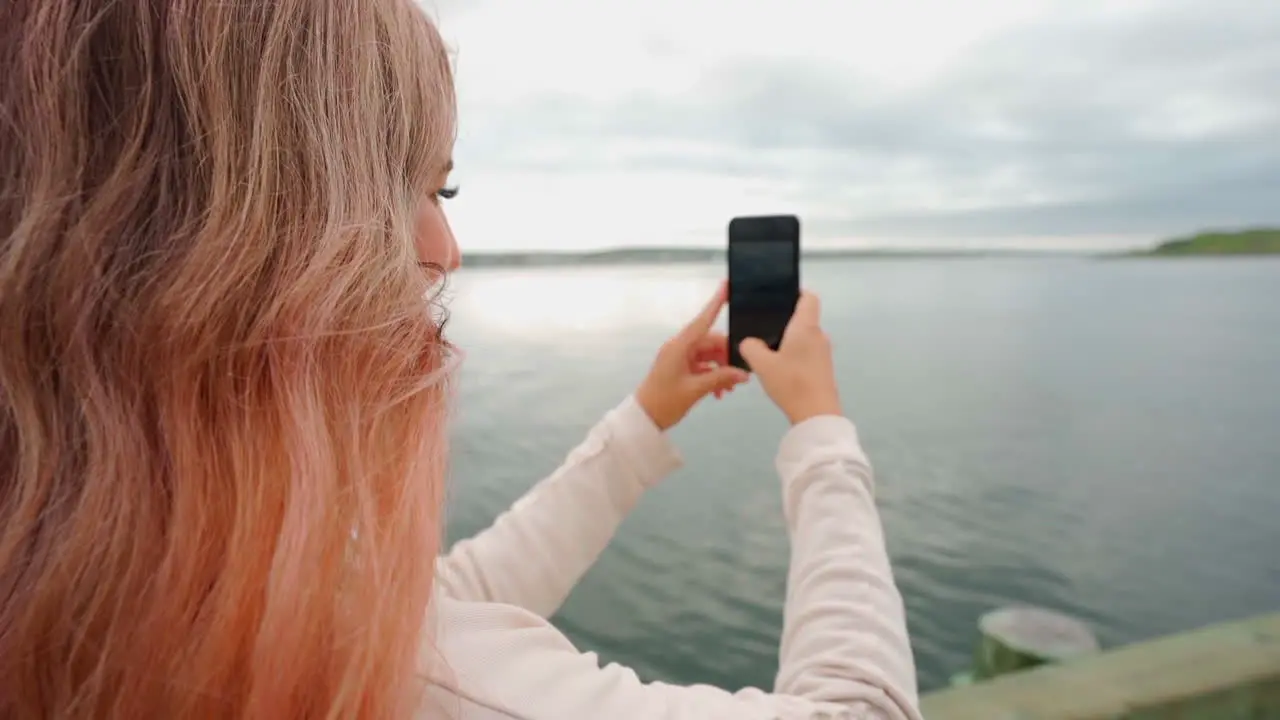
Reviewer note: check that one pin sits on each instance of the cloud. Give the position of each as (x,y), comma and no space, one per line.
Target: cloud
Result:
(449,10)
(1133,119)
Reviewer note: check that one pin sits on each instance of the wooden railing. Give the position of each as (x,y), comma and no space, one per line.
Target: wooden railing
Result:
(1223,672)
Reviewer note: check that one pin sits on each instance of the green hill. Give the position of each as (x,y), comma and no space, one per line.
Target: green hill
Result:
(1262,241)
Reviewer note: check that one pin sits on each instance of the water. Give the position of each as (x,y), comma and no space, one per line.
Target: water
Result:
(1096,436)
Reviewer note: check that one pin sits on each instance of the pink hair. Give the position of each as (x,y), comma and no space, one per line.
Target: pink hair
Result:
(222,388)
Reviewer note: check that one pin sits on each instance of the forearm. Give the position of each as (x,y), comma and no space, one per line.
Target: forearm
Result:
(844,636)
(536,551)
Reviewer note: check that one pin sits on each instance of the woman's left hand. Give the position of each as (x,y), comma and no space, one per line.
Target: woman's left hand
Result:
(689,366)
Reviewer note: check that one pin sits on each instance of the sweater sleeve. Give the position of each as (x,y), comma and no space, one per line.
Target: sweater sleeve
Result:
(536,551)
(844,654)
(844,631)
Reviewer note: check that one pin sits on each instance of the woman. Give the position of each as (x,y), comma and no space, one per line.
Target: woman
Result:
(222,398)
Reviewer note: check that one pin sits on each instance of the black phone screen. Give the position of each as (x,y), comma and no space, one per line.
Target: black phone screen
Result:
(764,279)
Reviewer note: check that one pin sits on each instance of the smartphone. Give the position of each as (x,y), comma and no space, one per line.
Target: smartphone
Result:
(764,279)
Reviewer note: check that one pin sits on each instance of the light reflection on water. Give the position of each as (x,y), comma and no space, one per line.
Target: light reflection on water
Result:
(574,305)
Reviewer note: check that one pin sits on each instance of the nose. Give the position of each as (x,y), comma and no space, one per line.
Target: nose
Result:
(455,253)
(436,243)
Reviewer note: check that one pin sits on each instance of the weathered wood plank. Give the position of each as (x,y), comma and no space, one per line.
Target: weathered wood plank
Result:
(1225,672)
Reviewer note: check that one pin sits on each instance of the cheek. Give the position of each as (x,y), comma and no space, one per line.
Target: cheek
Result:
(435,238)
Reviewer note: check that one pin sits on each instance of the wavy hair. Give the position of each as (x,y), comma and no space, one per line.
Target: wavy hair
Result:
(222,383)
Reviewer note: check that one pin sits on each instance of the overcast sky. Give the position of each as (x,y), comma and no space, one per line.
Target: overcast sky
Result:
(596,123)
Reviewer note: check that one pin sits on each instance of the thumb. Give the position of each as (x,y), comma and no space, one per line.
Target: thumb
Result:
(722,378)
(757,354)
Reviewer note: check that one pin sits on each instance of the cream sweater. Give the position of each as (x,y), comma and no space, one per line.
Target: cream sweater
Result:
(844,652)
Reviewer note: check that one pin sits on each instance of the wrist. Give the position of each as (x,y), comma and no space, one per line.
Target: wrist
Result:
(808,412)
(659,415)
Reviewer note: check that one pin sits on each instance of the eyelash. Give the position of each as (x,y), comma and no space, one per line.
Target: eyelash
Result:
(447,193)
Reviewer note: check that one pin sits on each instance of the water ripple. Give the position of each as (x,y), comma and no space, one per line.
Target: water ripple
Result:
(1033,443)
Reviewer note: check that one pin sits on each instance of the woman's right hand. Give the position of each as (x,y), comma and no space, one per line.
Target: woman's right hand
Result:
(799,377)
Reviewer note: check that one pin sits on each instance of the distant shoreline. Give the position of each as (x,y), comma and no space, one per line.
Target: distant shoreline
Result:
(643,256)
(1257,241)
(1261,241)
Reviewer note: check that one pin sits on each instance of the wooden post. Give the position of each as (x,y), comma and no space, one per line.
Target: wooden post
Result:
(1016,638)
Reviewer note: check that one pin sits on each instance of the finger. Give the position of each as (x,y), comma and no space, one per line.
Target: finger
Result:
(720,380)
(720,394)
(708,354)
(704,320)
(756,353)
(713,347)
(711,341)
(808,310)
(714,356)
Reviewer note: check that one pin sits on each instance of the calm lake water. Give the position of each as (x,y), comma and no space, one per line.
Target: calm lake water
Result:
(1096,436)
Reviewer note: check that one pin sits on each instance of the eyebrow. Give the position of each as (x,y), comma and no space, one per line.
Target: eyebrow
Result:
(448,167)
